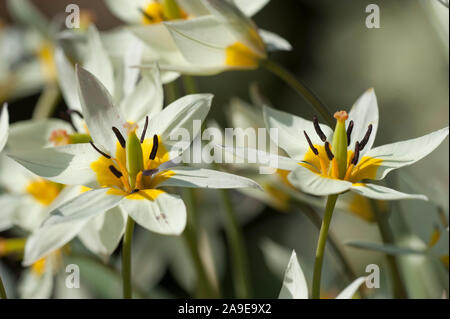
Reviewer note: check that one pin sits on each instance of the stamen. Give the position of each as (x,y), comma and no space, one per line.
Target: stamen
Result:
(119,136)
(115,171)
(70,112)
(98,150)
(349,132)
(155,147)
(334,168)
(328,150)
(318,129)
(149,172)
(144,130)
(315,151)
(364,141)
(356,156)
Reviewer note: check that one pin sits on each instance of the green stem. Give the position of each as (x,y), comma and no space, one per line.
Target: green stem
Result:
(321,243)
(388,238)
(237,250)
(189,84)
(47,102)
(306,93)
(126,259)
(2,290)
(205,288)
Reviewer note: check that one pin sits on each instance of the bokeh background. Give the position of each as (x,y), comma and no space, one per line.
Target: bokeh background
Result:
(336,55)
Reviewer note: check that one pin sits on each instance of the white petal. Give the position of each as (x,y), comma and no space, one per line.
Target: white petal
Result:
(127,10)
(97,61)
(206,178)
(133,56)
(274,42)
(8,204)
(34,134)
(182,116)
(202,41)
(84,207)
(146,98)
(4,126)
(290,132)
(383,193)
(67,80)
(193,8)
(253,156)
(166,214)
(14,178)
(49,238)
(348,292)
(275,256)
(102,234)
(407,152)
(294,283)
(99,112)
(312,183)
(251,8)
(69,164)
(363,113)
(34,286)
(25,12)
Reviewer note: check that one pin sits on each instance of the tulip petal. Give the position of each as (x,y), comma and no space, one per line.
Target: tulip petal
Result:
(181,118)
(290,132)
(102,234)
(274,42)
(157,211)
(250,8)
(99,111)
(67,80)
(127,10)
(363,113)
(206,178)
(294,283)
(351,289)
(4,126)
(383,193)
(315,184)
(405,153)
(69,164)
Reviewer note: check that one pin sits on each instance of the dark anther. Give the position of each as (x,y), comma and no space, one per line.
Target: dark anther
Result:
(144,130)
(119,136)
(329,152)
(356,156)
(318,129)
(98,150)
(154,148)
(364,141)
(116,172)
(149,172)
(146,14)
(70,112)
(134,191)
(311,144)
(349,132)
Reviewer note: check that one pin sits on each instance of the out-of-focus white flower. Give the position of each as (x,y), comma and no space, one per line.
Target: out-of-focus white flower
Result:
(321,168)
(123,170)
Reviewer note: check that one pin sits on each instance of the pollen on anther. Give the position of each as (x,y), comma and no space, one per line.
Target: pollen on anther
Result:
(154,148)
(315,151)
(115,171)
(119,136)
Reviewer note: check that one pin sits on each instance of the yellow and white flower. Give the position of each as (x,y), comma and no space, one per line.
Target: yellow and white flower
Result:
(323,163)
(121,169)
(200,37)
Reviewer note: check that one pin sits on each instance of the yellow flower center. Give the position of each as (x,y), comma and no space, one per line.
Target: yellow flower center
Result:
(113,173)
(239,55)
(44,191)
(335,161)
(38,268)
